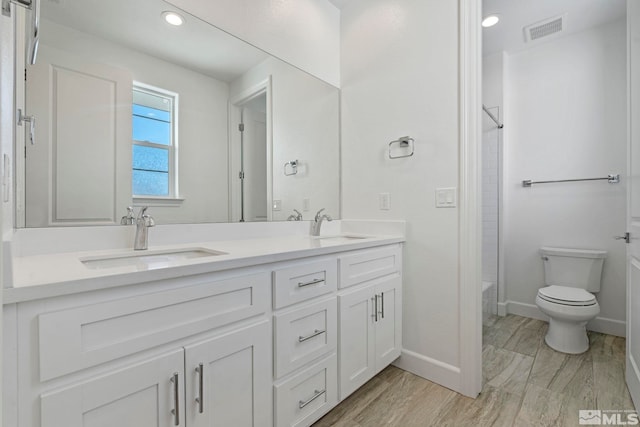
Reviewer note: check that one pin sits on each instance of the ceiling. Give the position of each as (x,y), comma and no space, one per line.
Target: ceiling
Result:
(508,34)
(138,25)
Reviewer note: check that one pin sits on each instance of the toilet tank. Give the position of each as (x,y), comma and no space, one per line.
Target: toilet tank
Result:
(576,268)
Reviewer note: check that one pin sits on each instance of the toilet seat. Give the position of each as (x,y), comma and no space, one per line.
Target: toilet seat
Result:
(564,295)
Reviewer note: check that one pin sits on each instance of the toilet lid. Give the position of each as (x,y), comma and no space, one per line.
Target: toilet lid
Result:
(567,296)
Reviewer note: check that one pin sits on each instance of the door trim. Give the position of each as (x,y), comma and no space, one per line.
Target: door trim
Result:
(470,299)
(235,105)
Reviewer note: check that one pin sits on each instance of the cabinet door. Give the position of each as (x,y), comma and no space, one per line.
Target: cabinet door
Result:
(357,335)
(142,395)
(389,325)
(229,379)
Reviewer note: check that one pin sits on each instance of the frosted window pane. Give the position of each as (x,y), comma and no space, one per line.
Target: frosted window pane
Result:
(150,158)
(150,183)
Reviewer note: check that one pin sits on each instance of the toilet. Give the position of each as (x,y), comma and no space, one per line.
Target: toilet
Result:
(571,276)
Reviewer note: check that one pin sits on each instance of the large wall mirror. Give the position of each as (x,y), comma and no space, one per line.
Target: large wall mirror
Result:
(200,126)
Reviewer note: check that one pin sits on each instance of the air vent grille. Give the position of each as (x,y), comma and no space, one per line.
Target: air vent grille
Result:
(544,29)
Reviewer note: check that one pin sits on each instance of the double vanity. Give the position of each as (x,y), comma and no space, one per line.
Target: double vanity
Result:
(267,331)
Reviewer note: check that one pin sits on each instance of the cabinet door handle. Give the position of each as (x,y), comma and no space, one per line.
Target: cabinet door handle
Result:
(382,304)
(374,304)
(313,282)
(176,399)
(308,337)
(200,398)
(317,394)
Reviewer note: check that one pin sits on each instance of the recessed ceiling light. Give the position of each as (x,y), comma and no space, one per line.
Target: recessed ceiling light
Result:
(173,18)
(490,21)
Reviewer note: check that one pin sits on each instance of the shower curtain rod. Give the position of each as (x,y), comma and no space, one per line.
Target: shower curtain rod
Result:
(486,110)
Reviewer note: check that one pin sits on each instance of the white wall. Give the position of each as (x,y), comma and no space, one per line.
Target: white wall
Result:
(400,77)
(305,33)
(566,118)
(202,121)
(305,127)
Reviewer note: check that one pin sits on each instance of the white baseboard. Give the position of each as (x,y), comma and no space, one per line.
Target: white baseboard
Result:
(434,370)
(599,324)
(502,309)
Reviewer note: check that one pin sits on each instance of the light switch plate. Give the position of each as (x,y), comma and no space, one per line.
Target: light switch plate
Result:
(385,201)
(277,205)
(446,197)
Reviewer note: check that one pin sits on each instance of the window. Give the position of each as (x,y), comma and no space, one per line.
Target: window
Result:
(154,142)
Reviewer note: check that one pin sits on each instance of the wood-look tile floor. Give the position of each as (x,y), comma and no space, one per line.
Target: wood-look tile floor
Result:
(525,383)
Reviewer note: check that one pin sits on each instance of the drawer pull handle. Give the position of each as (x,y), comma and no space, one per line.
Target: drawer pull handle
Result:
(316,395)
(314,334)
(176,399)
(200,398)
(313,282)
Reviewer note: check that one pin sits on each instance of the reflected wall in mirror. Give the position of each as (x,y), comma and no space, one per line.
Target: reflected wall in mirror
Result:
(186,119)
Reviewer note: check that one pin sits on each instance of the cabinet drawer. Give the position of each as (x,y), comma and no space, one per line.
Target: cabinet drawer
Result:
(81,337)
(304,334)
(304,398)
(304,281)
(361,266)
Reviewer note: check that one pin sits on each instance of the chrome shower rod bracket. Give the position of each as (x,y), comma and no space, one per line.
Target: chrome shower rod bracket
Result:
(6,5)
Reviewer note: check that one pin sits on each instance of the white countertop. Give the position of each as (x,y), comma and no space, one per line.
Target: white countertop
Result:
(49,275)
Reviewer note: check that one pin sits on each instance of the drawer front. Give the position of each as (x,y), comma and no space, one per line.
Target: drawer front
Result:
(361,266)
(304,281)
(78,338)
(304,398)
(304,334)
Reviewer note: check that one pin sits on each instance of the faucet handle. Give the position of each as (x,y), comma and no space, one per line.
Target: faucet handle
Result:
(149,221)
(128,218)
(318,214)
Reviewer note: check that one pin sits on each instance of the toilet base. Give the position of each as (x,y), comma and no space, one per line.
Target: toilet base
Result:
(567,337)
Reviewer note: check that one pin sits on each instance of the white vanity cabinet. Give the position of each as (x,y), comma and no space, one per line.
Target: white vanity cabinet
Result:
(370,317)
(228,379)
(128,356)
(276,344)
(143,394)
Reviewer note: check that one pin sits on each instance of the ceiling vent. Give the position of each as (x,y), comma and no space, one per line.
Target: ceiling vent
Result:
(544,28)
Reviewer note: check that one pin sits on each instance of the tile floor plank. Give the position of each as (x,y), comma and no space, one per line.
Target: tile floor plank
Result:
(526,383)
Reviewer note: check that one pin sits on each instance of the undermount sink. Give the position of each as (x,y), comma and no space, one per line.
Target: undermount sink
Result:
(147,260)
(340,237)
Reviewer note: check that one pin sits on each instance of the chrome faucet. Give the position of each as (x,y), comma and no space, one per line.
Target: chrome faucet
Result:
(317,222)
(295,217)
(143,222)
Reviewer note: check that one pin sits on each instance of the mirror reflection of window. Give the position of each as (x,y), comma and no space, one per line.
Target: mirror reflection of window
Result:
(154,142)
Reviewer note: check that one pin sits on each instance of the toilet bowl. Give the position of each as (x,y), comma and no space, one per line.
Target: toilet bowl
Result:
(568,317)
(571,275)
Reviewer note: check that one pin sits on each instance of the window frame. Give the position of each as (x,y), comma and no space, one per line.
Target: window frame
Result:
(172,148)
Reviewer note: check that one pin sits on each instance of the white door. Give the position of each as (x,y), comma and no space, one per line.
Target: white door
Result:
(78,170)
(255,165)
(142,395)
(357,339)
(229,379)
(388,325)
(633,209)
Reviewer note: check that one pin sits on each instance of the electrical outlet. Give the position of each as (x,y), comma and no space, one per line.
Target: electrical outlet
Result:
(306,205)
(385,201)
(277,205)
